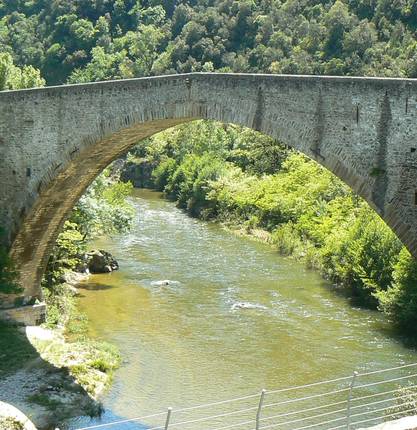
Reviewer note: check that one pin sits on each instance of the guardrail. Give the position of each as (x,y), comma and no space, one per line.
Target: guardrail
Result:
(351,402)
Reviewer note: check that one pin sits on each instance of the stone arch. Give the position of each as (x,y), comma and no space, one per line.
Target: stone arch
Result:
(56,140)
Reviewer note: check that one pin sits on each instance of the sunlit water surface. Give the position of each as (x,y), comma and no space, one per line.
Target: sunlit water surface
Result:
(235,318)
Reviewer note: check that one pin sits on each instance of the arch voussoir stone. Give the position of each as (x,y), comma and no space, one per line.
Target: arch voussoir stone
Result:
(54,141)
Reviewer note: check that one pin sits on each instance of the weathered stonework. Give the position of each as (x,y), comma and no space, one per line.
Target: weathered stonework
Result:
(55,141)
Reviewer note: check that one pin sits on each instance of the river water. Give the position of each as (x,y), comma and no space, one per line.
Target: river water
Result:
(234,318)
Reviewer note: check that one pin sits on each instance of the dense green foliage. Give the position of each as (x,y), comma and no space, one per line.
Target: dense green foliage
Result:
(93,40)
(400,301)
(213,172)
(15,78)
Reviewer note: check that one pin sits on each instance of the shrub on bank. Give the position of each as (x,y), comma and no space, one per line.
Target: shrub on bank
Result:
(399,300)
(362,255)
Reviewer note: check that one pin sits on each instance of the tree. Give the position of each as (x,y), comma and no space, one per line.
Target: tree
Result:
(13,77)
(338,20)
(360,39)
(400,300)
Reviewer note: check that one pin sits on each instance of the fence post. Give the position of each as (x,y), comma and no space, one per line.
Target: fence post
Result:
(258,413)
(168,418)
(352,383)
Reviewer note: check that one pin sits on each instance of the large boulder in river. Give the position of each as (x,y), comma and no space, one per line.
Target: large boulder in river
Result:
(99,261)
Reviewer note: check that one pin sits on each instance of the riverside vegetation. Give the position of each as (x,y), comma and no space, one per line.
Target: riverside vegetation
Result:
(249,181)
(219,172)
(101,210)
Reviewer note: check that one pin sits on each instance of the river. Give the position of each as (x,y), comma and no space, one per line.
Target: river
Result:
(235,318)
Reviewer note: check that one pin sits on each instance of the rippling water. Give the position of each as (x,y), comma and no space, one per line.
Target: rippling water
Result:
(234,318)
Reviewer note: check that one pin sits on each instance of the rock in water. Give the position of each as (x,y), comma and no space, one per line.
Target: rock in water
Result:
(164,283)
(161,283)
(246,305)
(99,261)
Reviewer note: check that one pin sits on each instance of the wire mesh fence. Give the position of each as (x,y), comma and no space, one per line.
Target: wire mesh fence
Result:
(352,402)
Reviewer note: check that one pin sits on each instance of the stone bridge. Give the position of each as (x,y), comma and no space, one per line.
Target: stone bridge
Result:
(54,141)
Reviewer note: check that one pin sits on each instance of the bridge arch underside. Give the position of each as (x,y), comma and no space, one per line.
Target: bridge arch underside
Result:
(357,129)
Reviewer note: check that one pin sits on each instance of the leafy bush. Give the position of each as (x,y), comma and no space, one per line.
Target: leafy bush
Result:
(61,309)
(287,240)
(103,209)
(399,301)
(189,182)
(363,256)
(163,172)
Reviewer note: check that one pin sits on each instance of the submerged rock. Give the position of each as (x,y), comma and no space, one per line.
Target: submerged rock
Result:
(99,261)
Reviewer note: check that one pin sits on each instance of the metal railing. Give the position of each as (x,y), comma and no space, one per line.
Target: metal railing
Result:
(351,402)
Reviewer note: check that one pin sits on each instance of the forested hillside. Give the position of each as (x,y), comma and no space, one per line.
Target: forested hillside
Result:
(87,40)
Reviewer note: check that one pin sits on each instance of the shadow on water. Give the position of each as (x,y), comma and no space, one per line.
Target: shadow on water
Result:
(408,341)
(45,393)
(94,286)
(385,327)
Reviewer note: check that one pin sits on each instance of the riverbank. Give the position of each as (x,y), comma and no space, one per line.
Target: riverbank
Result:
(240,178)
(55,372)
